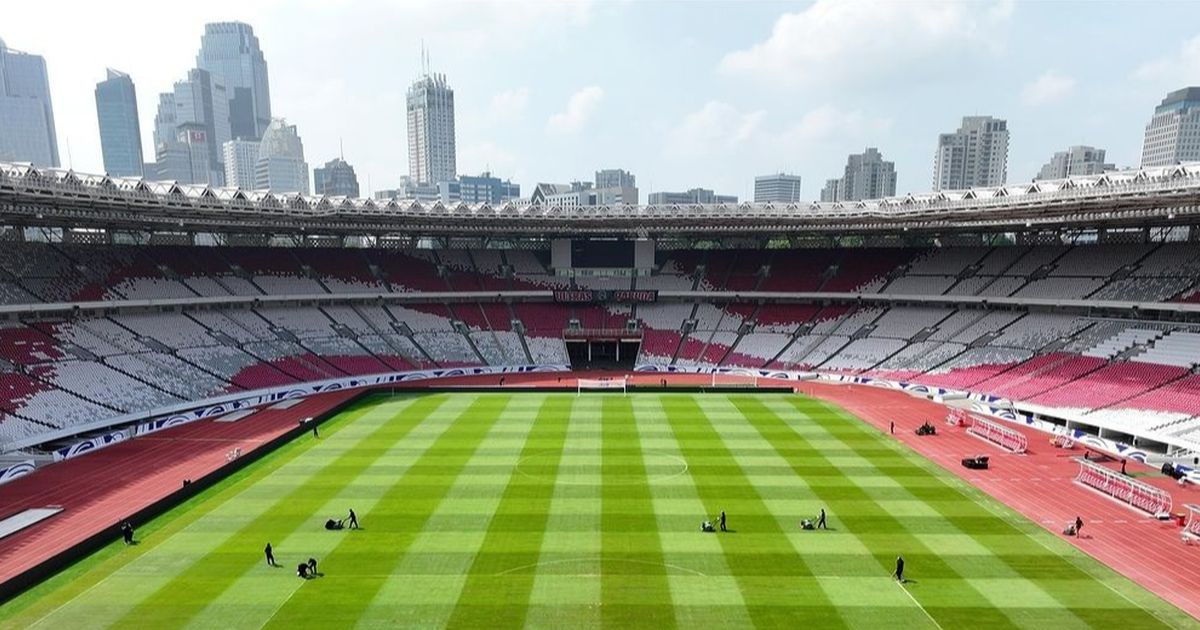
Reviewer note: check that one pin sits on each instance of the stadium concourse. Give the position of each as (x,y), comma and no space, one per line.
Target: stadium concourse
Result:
(100,490)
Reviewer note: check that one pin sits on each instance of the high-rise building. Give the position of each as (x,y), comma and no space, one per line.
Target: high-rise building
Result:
(777,188)
(692,196)
(335,179)
(616,186)
(1173,133)
(281,167)
(1077,160)
(867,176)
(431,145)
(241,160)
(197,103)
(26,114)
(230,51)
(186,159)
(832,190)
(485,188)
(615,178)
(974,156)
(120,133)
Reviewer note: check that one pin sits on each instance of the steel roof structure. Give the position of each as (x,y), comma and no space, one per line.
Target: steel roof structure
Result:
(46,197)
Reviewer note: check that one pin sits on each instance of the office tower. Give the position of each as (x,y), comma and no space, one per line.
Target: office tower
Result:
(1173,133)
(198,106)
(281,167)
(335,179)
(431,144)
(230,51)
(777,188)
(120,132)
(485,188)
(26,114)
(241,160)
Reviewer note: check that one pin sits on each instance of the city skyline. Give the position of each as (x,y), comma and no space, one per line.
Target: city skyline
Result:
(564,125)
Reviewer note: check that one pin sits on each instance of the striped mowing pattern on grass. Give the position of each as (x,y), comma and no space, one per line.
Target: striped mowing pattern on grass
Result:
(557,510)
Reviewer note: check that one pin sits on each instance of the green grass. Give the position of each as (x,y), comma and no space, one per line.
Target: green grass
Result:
(564,511)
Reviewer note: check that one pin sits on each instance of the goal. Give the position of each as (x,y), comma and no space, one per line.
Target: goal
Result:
(730,379)
(602,385)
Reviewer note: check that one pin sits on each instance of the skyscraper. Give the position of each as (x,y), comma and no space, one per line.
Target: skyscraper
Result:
(431,145)
(230,51)
(120,133)
(832,190)
(336,179)
(1077,160)
(1173,133)
(281,167)
(777,188)
(976,155)
(241,159)
(198,106)
(867,176)
(26,114)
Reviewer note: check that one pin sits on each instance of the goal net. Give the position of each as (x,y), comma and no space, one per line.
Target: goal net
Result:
(734,380)
(602,384)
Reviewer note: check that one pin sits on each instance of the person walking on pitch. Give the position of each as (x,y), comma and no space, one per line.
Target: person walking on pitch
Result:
(270,556)
(353,518)
(899,574)
(821,520)
(723,520)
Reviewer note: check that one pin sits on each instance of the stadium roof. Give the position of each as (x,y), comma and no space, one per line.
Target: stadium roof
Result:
(64,198)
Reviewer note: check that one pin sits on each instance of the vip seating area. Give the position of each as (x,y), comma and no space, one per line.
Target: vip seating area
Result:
(69,370)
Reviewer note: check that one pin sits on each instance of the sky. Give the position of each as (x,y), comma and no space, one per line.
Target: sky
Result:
(682,94)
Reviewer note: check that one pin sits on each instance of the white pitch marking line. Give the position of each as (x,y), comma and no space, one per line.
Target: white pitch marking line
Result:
(914,600)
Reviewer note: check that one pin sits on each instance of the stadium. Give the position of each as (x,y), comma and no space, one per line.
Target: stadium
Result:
(535,412)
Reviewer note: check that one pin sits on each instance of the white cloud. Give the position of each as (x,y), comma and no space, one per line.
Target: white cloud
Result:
(580,109)
(1180,67)
(849,41)
(509,105)
(721,127)
(828,122)
(476,158)
(716,126)
(1049,88)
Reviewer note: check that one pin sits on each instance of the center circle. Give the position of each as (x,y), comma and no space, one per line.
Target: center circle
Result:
(593,466)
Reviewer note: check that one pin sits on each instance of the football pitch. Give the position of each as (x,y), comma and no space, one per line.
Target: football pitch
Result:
(551,510)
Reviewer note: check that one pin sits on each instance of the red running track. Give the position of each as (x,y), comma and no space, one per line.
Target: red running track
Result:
(1040,485)
(102,488)
(99,489)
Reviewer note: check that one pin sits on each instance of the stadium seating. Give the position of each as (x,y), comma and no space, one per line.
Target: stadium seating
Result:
(63,369)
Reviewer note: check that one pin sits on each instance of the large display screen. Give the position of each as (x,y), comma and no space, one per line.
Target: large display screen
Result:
(601,253)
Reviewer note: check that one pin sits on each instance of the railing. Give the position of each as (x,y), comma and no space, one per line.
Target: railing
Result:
(1191,531)
(1009,439)
(602,333)
(1132,492)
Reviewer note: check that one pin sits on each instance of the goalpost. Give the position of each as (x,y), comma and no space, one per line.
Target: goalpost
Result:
(602,385)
